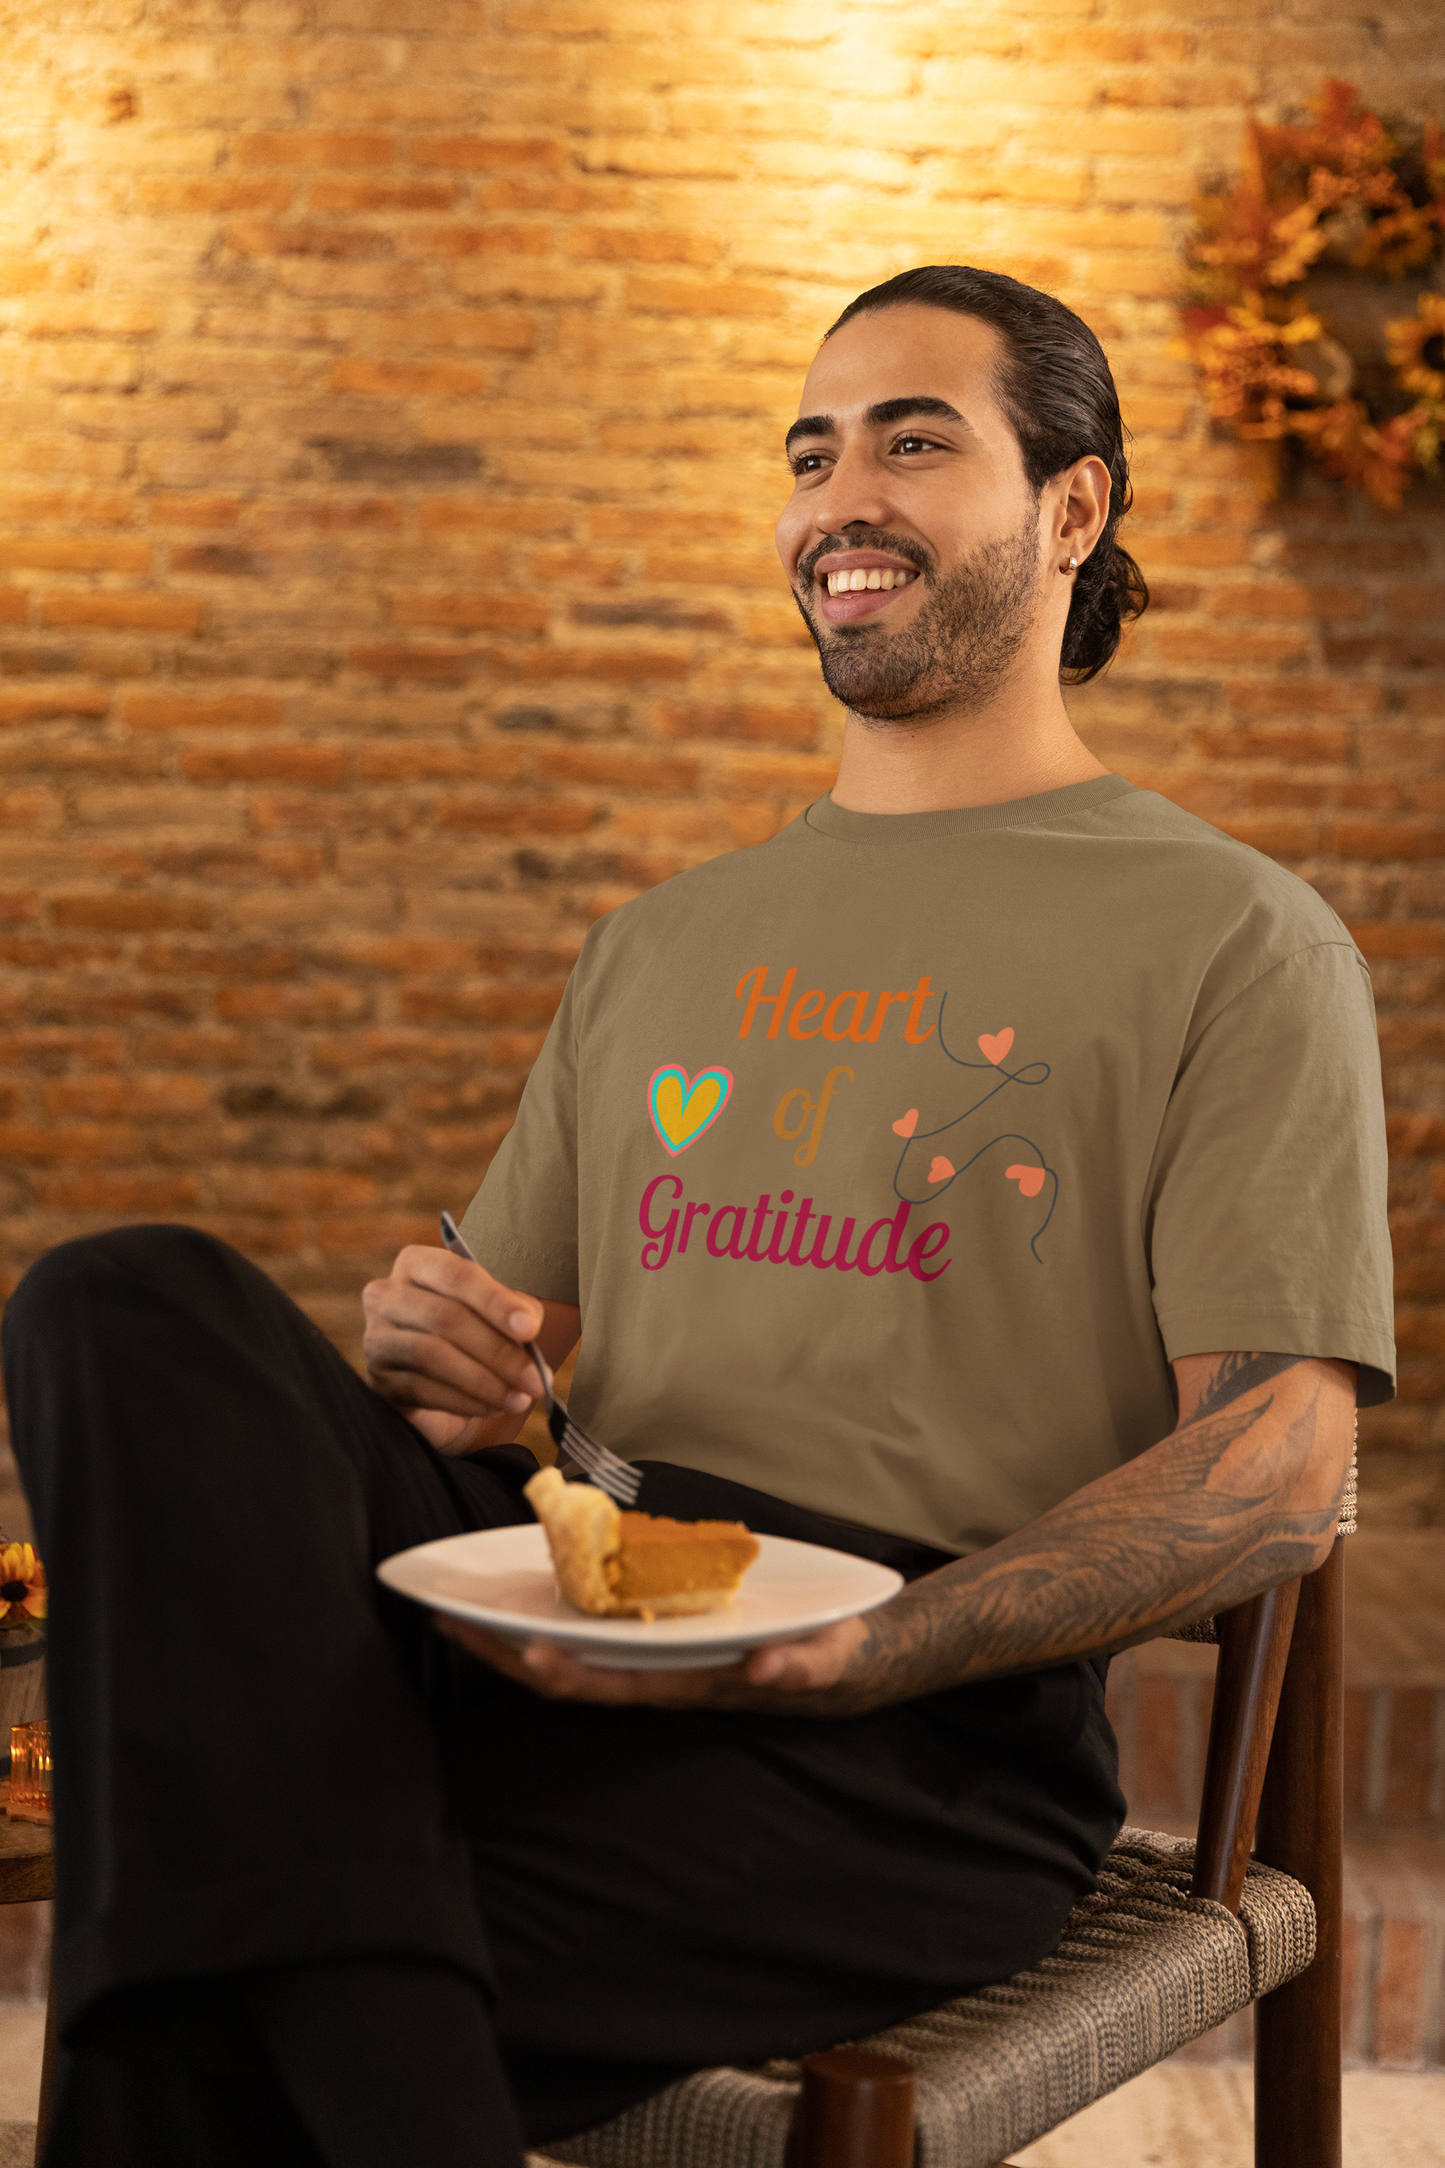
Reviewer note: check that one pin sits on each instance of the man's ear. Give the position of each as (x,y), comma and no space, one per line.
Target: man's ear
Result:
(1083,493)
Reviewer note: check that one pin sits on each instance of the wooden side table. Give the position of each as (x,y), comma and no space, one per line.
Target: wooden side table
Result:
(27,1876)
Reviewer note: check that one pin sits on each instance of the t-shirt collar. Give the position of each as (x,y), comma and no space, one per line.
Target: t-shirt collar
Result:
(1046,807)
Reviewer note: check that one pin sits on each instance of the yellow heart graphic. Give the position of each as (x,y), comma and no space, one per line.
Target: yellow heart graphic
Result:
(680,1110)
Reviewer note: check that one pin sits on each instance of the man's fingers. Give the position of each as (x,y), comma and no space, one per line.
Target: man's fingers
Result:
(516,1316)
(419,1330)
(483,1380)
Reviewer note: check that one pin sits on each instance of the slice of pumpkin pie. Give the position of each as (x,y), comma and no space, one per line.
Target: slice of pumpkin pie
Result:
(636,1565)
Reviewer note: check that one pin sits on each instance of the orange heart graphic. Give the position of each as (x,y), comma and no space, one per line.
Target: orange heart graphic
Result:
(995,1045)
(942,1170)
(907,1124)
(1030,1179)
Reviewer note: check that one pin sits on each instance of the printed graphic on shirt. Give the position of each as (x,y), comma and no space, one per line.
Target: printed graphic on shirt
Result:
(792,1231)
(682,1112)
(1033,1174)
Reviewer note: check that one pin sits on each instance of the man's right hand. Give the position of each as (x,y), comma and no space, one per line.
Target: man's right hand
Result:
(442,1344)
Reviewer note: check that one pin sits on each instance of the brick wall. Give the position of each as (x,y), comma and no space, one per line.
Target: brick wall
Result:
(391,401)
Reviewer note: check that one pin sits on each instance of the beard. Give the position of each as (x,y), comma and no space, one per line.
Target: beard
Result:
(960,646)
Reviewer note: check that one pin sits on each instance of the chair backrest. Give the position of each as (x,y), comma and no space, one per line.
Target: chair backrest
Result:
(1257,1647)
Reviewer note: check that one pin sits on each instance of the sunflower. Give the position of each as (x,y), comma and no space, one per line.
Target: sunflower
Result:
(23,1593)
(1417,347)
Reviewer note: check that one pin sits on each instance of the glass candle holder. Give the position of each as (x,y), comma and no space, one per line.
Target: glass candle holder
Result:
(30,1798)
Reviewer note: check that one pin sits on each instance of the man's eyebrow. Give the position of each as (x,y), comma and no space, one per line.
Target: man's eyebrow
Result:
(810,425)
(877,417)
(898,410)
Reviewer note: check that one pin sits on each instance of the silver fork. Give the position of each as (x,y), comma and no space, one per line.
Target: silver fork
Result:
(602,1467)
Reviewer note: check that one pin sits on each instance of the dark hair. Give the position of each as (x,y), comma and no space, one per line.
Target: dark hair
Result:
(1057,391)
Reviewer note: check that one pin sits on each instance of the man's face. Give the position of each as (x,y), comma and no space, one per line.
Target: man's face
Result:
(907,473)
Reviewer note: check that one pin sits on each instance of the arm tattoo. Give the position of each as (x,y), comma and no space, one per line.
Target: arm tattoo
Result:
(1199,1522)
(1239,1374)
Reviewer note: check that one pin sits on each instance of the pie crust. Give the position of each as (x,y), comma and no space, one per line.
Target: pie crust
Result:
(636,1565)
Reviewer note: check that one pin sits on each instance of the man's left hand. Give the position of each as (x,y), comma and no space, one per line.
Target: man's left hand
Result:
(783,1678)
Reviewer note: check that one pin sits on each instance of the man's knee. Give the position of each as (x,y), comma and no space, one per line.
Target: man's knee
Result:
(58,1283)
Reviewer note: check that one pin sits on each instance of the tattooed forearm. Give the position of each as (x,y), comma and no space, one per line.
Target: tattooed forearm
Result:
(1242,1494)
(1237,1374)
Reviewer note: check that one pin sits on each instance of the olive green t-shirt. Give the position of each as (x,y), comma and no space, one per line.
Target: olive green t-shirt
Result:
(892,1161)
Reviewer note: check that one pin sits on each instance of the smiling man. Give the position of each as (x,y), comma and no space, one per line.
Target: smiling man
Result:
(986,1177)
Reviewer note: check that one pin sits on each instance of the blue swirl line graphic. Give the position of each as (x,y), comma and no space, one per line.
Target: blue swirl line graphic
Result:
(1032,1073)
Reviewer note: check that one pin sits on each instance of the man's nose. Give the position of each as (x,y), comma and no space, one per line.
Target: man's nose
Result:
(856,495)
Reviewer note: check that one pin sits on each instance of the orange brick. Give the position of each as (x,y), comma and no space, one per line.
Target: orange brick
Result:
(74,507)
(136,1095)
(77,1142)
(704,297)
(488,154)
(483,330)
(493,606)
(632,244)
(150,613)
(270,763)
(1181,643)
(382,195)
(293,1189)
(630,767)
(140,1190)
(304,237)
(1388,839)
(120,913)
(439,514)
(313,147)
(758,721)
(322,1003)
(412,760)
(76,553)
(192,509)
(457,238)
(405,379)
(503,817)
(225,711)
(437,665)
(192,192)
(608,665)
(36,703)
(481,1004)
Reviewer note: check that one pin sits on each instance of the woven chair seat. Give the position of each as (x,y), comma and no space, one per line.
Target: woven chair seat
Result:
(1141,1968)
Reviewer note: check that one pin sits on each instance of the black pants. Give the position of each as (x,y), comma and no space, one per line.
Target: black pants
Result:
(263,1758)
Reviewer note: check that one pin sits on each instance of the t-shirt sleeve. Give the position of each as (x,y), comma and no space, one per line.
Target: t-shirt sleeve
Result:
(522,1223)
(1266,1217)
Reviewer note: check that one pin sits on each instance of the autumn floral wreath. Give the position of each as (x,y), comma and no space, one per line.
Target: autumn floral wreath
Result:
(1340,195)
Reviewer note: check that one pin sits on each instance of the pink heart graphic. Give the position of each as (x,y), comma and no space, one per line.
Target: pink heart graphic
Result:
(995,1045)
(907,1124)
(942,1170)
(1030,1179)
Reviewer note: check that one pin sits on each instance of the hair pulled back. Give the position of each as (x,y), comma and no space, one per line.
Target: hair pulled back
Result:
(1056,389)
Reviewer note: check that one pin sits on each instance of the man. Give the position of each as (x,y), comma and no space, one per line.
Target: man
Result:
(1031,1111)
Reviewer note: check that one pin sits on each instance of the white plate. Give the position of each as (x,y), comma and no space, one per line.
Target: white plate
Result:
(502,1578)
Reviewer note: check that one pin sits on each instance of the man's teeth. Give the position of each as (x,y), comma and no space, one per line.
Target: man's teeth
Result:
(853,583)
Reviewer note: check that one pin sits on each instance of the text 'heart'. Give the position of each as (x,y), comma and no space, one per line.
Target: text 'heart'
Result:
(906,1124)
(994,1045)
(681,1111)
(942,1170)
(1030,1179)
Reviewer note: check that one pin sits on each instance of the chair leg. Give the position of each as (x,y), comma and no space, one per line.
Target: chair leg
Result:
(47,2076)
(855,2111)
(1301,1831)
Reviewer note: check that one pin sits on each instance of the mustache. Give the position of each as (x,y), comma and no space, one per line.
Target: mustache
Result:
(870,538)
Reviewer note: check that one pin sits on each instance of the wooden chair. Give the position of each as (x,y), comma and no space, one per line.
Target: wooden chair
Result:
(27,1876)
(1177,1937)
